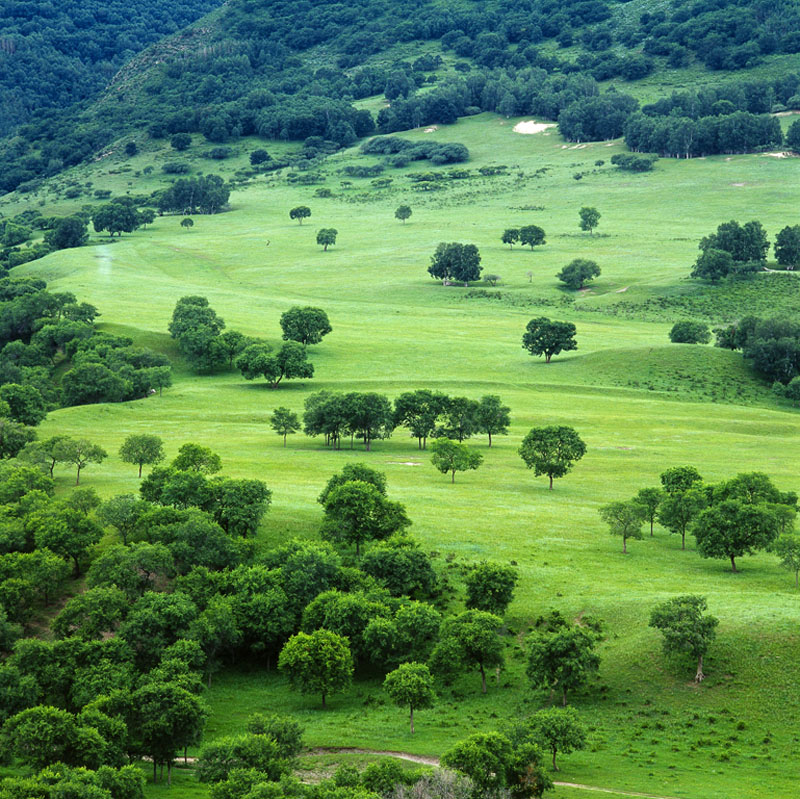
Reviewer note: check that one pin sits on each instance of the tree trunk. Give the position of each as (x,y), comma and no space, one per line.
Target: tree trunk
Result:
(323,702)
(547,357)
(733,564)
(624,545)
(699,677)
(185,757)
(155,772)
(555,767)
(419,442)
(683,540)
(77,569)
(358,549)
(490,439)
(412,719)
(551,481)
(454,476)
(140,470)
(797,580)
(651,527)
(78,477)
(284,439)
(483,679)
(169,774)
(564,698)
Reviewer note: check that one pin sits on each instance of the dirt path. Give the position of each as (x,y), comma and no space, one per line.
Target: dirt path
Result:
(434,761)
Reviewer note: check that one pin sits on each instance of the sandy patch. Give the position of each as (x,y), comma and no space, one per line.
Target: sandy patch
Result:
(619,291)
(738,184)
(532,126)
(785,113)
(783,154)
(431,129)
(403,463)
(578,147)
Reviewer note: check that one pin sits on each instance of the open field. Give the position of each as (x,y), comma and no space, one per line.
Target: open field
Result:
(640,404)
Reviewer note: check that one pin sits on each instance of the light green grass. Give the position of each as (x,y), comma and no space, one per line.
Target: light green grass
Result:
(640,404)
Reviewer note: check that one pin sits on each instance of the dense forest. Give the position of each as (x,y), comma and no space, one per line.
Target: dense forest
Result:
(249,71)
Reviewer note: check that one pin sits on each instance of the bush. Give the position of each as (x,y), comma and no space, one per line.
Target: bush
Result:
(175,168)
(631,162)
(690,333)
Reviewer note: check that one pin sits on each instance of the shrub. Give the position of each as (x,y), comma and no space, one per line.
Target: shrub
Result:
(690,333)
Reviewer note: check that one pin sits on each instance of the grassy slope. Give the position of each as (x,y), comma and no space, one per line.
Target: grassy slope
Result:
(395,329)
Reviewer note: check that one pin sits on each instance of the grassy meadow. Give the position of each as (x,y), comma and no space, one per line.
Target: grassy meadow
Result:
(640,403)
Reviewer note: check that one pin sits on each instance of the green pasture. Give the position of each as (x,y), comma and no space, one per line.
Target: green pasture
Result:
(640,403)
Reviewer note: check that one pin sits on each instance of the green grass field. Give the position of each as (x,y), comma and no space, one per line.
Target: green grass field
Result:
(640,404)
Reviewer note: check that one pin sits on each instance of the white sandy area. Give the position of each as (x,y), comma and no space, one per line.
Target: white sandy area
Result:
(779,155)
(532,126)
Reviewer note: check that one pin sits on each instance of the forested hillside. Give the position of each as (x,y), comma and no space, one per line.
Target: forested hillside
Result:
(293,70)
(53,54)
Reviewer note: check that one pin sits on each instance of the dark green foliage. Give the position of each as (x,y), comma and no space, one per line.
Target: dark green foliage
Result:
(259,752)
(787,246)
(290,361)
(532,235)
(400,565)
(578,272)
(204,195)
(629,162)
(771,345)
(326,237)
(552,450)
(455,262)
(545,337)
(490,587)
(307,325)
(687,332)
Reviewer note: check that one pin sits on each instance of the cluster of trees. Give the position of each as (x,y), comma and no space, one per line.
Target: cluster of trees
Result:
(730,519)
(771,345)
(207,194)
(454,262)
(59,234)
(199,332)
(43,334)
(425,414)
(121,215)
(402,152)
(734,250)
(532,235)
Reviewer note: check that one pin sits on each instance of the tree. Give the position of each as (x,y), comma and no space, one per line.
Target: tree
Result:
(142,448)
(589,218)
(66,531)
(319,663)
(216,631)
(685,628)
(510,236)
(187,223)
(490,587)
(559,729)
(453,261)
(578,272)
(237,505)
(25,403)
(562,660)
(91,614)
(354,471)
(284,422)
(356,512)
(290,361)
(648,500)
(552,450)
(453,456)
(79,452)
(411,685)
(402,213)
(258,157)
(469,639)
(116,217)
(687,332)
(531,235)
(492,416)
(326,237)
(418,411)
(300,213)
(678,479)
(232,342)
(732,528)
(787,548)
(624,519)
(679,509)
(459,418)
(307,325)
(168,718)
(68,232)
(181,142)
(745,243)
(787,246)
(713,264)
(548,338)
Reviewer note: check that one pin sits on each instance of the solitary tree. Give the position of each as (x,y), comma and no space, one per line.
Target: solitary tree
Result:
(300,213)
(578,272)
(532,235)
(687,332)
(562,660)
(284,422)
(490,587)
(624,519)
(469,639)
(589,218)
(141,449)
(510,236)
(453,261)
(787,548)
(787,246)
(187,223)
(307,325)
(648,500)
(685,628)
(492,416)
(290,361)
(319,663)
(402,213)
(559,729)
(326,237)
(732,528)
(552,450)
(411,685)
(453,456)
(545,337)
(79,452)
